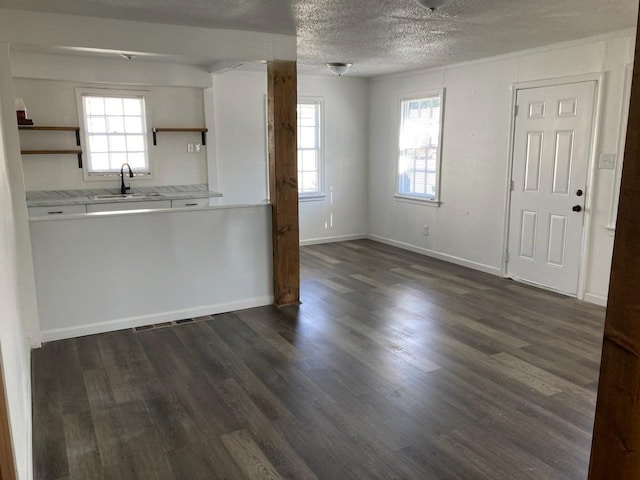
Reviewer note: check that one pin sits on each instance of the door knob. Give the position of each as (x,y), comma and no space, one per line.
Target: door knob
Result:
(579,193)
(577,208)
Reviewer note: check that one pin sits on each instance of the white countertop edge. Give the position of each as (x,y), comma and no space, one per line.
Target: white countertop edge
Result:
(54,202)
(118,213)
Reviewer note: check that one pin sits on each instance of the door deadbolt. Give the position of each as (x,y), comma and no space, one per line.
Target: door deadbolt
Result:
(579,193)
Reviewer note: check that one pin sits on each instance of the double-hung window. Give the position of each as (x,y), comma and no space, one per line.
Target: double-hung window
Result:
(310,159)
(419,147)
(115,126)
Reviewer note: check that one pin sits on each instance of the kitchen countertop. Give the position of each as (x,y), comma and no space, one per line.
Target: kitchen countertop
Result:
(81,197)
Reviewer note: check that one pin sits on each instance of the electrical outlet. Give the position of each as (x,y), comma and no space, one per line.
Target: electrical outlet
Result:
(196,147)
(190,147)
(426,231)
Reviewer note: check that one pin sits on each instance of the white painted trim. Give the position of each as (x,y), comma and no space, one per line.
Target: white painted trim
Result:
(595,298)
(131,322)
(339,238)
(440,256)
(598,79)
(622,140)
(598,103)
(496,58)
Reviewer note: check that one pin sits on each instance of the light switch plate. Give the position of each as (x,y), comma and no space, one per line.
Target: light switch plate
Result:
(607,161)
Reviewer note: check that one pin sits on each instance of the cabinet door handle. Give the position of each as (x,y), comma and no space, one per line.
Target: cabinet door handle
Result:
(190,204)
(54,213)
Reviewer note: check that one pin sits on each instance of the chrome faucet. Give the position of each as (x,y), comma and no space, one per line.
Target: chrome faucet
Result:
(123,187)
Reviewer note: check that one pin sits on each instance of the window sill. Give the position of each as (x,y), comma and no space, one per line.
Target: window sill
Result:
(418,201)
(311,198)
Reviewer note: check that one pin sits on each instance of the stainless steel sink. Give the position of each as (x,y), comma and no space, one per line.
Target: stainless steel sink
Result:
(123,195)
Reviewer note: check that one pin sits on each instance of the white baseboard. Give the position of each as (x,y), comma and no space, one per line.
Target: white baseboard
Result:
(595,298)
(341,238)
(131,322)
(440,256)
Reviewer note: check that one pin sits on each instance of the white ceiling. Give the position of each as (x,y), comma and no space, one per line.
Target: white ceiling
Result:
(378,36)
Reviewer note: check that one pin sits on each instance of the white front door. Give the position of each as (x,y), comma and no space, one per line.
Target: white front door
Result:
(551,150)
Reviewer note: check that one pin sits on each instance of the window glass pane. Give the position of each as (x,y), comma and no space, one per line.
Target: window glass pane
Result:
(137,161)
(133,124)
(113,106)
(97,125)
(307,115)
(132,106)
(116,124)
(98,143)
(309,161)
(310,182)
(94,105)
(309,153)
(116,160)
(117,143)
(100,161)
(307,137)
(135,143)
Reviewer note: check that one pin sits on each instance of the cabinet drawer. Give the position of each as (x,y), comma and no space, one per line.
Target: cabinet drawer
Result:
(110,207)
(56,210)
(190,202)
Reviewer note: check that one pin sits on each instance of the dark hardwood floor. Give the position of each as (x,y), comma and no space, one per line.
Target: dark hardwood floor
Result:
(396,366)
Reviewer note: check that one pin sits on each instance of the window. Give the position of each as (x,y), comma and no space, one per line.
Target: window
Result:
(310,182)
(419,147)
(115,125)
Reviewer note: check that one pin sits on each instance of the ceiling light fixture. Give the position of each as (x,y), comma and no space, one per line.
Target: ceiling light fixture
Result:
(127,56)
(339,68)
(431,5)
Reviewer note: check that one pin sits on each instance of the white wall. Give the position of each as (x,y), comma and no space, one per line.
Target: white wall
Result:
(468,227)
(239,106)
(52,102)
(18,311)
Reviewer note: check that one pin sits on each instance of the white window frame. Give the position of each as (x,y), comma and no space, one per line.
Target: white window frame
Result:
(108,92)
(436,202)
(320,194)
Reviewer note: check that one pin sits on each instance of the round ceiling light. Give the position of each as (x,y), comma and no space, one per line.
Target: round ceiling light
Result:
(431,4)
(339,68)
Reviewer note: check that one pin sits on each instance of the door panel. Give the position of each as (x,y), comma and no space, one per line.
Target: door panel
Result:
(551,151)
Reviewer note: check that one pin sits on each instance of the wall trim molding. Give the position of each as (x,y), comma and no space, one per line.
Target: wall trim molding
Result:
(595,298)
(440,256)
(339,238)
(139,321)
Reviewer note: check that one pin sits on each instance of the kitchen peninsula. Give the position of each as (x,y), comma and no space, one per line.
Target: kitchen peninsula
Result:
(109,270)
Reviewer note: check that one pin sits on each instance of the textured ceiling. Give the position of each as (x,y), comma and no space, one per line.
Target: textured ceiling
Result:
(378,36)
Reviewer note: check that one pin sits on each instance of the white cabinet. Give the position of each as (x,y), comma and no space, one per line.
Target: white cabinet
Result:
(190,202)
(56,210)
(111,207)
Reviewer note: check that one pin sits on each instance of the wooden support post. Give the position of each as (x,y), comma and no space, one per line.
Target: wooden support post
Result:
(615,451)
(283,180)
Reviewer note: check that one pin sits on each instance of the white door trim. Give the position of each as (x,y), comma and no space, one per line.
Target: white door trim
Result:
(598,78)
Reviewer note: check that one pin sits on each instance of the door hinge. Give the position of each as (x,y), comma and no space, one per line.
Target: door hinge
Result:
(513,185)
(516,111)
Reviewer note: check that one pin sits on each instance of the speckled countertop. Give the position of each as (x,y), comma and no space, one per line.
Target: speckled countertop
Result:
(47,198)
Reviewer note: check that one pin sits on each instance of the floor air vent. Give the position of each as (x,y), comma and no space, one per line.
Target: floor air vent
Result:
(166,324)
